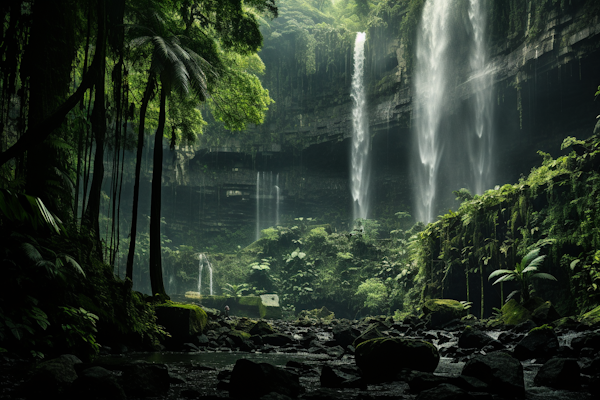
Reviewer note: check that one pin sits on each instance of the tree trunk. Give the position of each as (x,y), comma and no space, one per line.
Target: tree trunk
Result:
(156,277)
(138,167)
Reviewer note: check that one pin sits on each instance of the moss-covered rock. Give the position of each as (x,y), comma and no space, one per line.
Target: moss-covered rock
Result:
(442,311)
(264,306)
(182,321)
(384,358)
(513,313)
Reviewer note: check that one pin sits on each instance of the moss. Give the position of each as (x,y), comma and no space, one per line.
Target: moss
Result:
(240,334)
(543,328)
(591,317)
(249,301)
(513,313)
(198,317)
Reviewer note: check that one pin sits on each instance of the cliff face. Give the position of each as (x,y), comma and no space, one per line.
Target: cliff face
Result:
(544,59)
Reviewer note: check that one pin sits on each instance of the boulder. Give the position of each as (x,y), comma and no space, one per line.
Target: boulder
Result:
(545,314)
(474,338)
(383,359)
(514,313)
(53,377)
(559,373)
(183,321)
(538,343)
(345,335)
(263,306)
(97,383)
(445,391)
(278,339)
(250,380)
(499,370)
(336,377)
(442,311)
(145,379)
(261,328)
(245,324)
(419,381)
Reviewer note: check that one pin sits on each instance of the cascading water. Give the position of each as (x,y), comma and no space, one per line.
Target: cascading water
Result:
(360,171)
(203,259)
(480,142)
(257,205)
(267,202)
(430,86)
(438,128)
(277,201)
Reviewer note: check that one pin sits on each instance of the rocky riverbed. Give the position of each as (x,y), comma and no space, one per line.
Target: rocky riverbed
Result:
(319,359)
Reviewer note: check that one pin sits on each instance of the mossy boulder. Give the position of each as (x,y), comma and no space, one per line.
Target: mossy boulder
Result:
(318,314)
(182,321)
(264,306)
(442,311)
(545,313)
(373,331)
(514,313)
(539,343)
(383,359)
(591,318)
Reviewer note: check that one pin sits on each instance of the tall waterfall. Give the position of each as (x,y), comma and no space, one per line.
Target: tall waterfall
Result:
(480,142)
(203,260)
(268,200)
(430,84)
(360,170)
(454,142)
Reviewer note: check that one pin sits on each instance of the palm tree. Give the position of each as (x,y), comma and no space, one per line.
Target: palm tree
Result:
(523,273)
(178,68)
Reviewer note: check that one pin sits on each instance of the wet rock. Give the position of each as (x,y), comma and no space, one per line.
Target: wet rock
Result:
(97,383)
(261,328)
(278,339)
(591,367)
(275,396)
(539,343)
(502,372)
(474,338)
(442,311)
(559,373)
(183,322)
(202,340)
(335,352)
(444,391)
(336,377)
(382,359)
(345,335)
(53,377)
(145,379)
(250,380)
(419,381)
(514,313)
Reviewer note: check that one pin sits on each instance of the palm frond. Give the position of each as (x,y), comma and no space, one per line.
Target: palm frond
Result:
(499,272)
(505,278)
(31,252)
(530,268)
(512,294)
(544,275)
(529,257)
(70,260)
(537,261)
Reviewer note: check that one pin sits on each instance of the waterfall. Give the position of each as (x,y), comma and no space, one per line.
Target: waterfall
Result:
(257,205)
(277,204)
(360,173)
(210,279)
(200,268)
(480,140)
(430,87)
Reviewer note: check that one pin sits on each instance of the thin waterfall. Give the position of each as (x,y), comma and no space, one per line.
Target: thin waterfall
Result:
(210,276)
(480,142)
(200,268)
(203,259)
(360,170)
(277,201)
(257,205)
(430,92)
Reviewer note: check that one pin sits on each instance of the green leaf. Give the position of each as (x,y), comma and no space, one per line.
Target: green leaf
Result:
(543,275)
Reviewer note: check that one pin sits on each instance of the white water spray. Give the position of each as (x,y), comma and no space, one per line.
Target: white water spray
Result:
(257,205)
(430,86)
(203,259)
(480,143)
(360,134)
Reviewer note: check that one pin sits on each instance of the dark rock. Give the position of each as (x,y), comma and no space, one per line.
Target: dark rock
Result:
(278,339)
(299,365)
(419,381)
(444,391)
(250,380)
(545,313)
(145,379)
(189,393)
(559,373)
(507,337)
(53,377)
(176,379)
(275,396)
(345,335)
(514,313)
(183,322)
(442,311)
(202,340)
(474,338)
(97,383)
(335,352)
(591,367)
(335,377)
(261,328)
(308,339)
(322,394)
(524,326)
(539,343)
(469,383)
(383,358)
(502,372)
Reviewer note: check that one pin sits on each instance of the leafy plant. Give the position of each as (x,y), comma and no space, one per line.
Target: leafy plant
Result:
(524,271)
(235,290)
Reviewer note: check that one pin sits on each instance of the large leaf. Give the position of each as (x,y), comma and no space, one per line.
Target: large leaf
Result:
(543,275)
(529,258)
(505,278)
(500,272)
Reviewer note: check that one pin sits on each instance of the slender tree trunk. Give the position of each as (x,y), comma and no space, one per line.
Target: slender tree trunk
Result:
(138,167)
(156,277)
